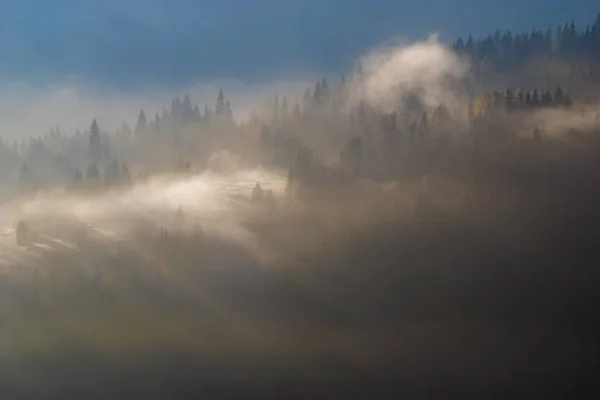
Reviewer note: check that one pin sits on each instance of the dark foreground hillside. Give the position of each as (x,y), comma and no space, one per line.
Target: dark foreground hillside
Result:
(489,298)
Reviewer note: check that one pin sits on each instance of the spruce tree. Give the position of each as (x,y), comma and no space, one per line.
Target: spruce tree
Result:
(142,124)
(95,144)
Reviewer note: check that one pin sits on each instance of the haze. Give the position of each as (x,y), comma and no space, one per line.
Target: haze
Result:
(301,200)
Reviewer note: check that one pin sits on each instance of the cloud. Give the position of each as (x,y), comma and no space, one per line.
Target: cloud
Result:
(557,122)
(426,71)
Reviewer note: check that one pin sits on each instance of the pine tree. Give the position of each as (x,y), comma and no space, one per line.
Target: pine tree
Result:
(535,98)
(547,99)
(125,174)
(325,92)
(257,194)
(568,100)
(220,108)
(497,37)
(95,144)
(25,174)
(521,98)
(284,110)
(307,102)
(316,95)
(297,112)
(78,176)
(276,108)
(509,99)
(156,125)
(470,45)
(228,111)
(112,173)
(548,41)
(559,97)
(92,173)
(187,112)
(289,187)
(176,109)
(566,40)
(459,46)
(197,117)
(558,42)
(507,46)
(105,151)
(142,124)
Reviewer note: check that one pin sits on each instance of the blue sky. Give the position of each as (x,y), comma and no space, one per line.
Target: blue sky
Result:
(175,42)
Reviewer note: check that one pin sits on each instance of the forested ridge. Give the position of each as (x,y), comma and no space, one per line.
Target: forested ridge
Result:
(440,243)
(562,65)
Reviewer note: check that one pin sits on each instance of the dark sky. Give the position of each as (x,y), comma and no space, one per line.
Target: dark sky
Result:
(175,42)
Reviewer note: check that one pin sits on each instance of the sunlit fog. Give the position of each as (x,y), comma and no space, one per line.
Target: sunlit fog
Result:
(421,221)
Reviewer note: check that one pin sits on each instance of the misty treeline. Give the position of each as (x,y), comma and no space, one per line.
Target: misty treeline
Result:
(503,50)
(445,245)
(328,124)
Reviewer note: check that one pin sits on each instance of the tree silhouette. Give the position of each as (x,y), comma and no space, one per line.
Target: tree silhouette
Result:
(141,126)
(112,174)
(257,194)
(95,144)
(220,109)
(78,177)
(187,112)
(93,174)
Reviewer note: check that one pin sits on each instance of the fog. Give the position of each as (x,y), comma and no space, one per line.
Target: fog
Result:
(398,230)
(210,200)
(426,70)
(28,110)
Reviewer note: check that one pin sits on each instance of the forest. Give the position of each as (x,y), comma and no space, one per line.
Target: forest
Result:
(424,226)
(525,72)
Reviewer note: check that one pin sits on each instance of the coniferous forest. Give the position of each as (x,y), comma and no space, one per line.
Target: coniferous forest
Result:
(440,243)
(525,72)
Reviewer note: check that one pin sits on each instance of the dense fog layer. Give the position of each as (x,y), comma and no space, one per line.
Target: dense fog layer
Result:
(412,229)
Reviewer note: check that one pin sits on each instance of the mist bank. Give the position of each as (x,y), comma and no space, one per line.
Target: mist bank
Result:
(353,294)
(365,238)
